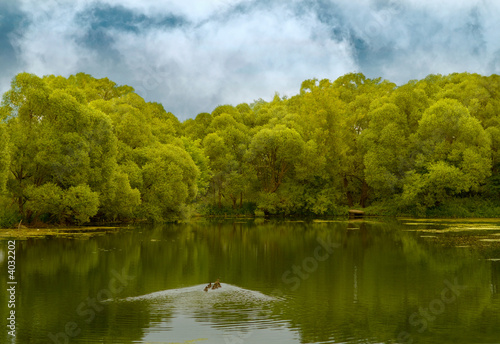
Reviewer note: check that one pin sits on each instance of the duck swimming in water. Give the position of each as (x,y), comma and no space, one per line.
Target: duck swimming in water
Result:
(215,285)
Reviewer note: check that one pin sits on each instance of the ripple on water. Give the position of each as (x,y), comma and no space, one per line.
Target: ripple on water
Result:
(195,294)
(229,307)
(195,300)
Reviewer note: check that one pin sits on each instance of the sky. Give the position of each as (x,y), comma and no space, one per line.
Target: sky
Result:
(193,55)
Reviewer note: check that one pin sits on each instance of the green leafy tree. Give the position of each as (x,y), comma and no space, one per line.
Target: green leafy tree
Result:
(75,204)
(169,182)
(275,153)
(24,106)
(119,201)
(80,203)
(217,152)
(45,200)
(281,160)
(226,145)
(4,156)
(452,155)
(358,92)
(201,161)
(80,148)
(385,144)
(57,138)
(319,111)
(197,128)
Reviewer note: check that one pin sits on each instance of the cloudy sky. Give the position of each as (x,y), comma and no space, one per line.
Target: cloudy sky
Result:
(192,55)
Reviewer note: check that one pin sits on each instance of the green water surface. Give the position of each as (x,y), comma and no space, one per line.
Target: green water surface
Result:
(401,281)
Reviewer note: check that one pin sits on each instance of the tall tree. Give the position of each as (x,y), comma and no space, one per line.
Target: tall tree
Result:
(358,92)
(452,155)
(226,145)
(169,181)
(385,145)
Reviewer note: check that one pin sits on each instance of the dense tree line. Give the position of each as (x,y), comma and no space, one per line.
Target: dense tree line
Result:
(78,149)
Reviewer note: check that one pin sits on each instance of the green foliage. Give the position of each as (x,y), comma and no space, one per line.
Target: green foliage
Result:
(275,153)
(247,209)
(78,149)
(9,215)
(45,199)
(76,204)
(4,157)
(385,145)
(466,207)
(73,149)
(202,162)
(80,203)
(169,182)
(119,201)
(453,155)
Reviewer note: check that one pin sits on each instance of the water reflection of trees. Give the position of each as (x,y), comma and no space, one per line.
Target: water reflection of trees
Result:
(366,289)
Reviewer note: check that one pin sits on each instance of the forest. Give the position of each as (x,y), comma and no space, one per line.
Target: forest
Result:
(80,149)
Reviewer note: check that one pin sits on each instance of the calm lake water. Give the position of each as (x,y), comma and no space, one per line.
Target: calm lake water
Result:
(403,281)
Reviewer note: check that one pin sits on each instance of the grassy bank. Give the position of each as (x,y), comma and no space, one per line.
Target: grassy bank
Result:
(453,208)
(71,232)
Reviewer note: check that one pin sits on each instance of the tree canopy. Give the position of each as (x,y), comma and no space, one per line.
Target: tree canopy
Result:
(81,149)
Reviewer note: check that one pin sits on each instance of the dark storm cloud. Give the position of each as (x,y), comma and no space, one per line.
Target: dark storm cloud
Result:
(103,20)
(194,55)
(104,17)
(11,21)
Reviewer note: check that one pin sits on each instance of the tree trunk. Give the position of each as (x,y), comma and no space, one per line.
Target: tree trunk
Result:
(364,194)
(20,200)
(348,193)
(20,203)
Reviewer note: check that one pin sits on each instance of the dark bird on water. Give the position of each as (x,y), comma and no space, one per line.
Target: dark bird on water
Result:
(216,285)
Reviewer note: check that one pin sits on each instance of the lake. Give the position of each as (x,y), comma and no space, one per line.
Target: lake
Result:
(317,281)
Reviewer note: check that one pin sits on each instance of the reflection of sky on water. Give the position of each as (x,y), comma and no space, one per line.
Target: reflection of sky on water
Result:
(214,316)
(183,328)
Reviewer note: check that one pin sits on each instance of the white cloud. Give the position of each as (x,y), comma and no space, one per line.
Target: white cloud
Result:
(47,44)
(223,56)
(231,62)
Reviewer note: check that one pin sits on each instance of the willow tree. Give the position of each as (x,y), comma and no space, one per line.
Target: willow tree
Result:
(319,113)
(169,182)
(385,145)
(226,145)
(358,93)
(51,141)
(61,144)
(452,155)
(278,155)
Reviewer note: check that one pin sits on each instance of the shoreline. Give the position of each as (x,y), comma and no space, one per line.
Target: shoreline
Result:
(86,231)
